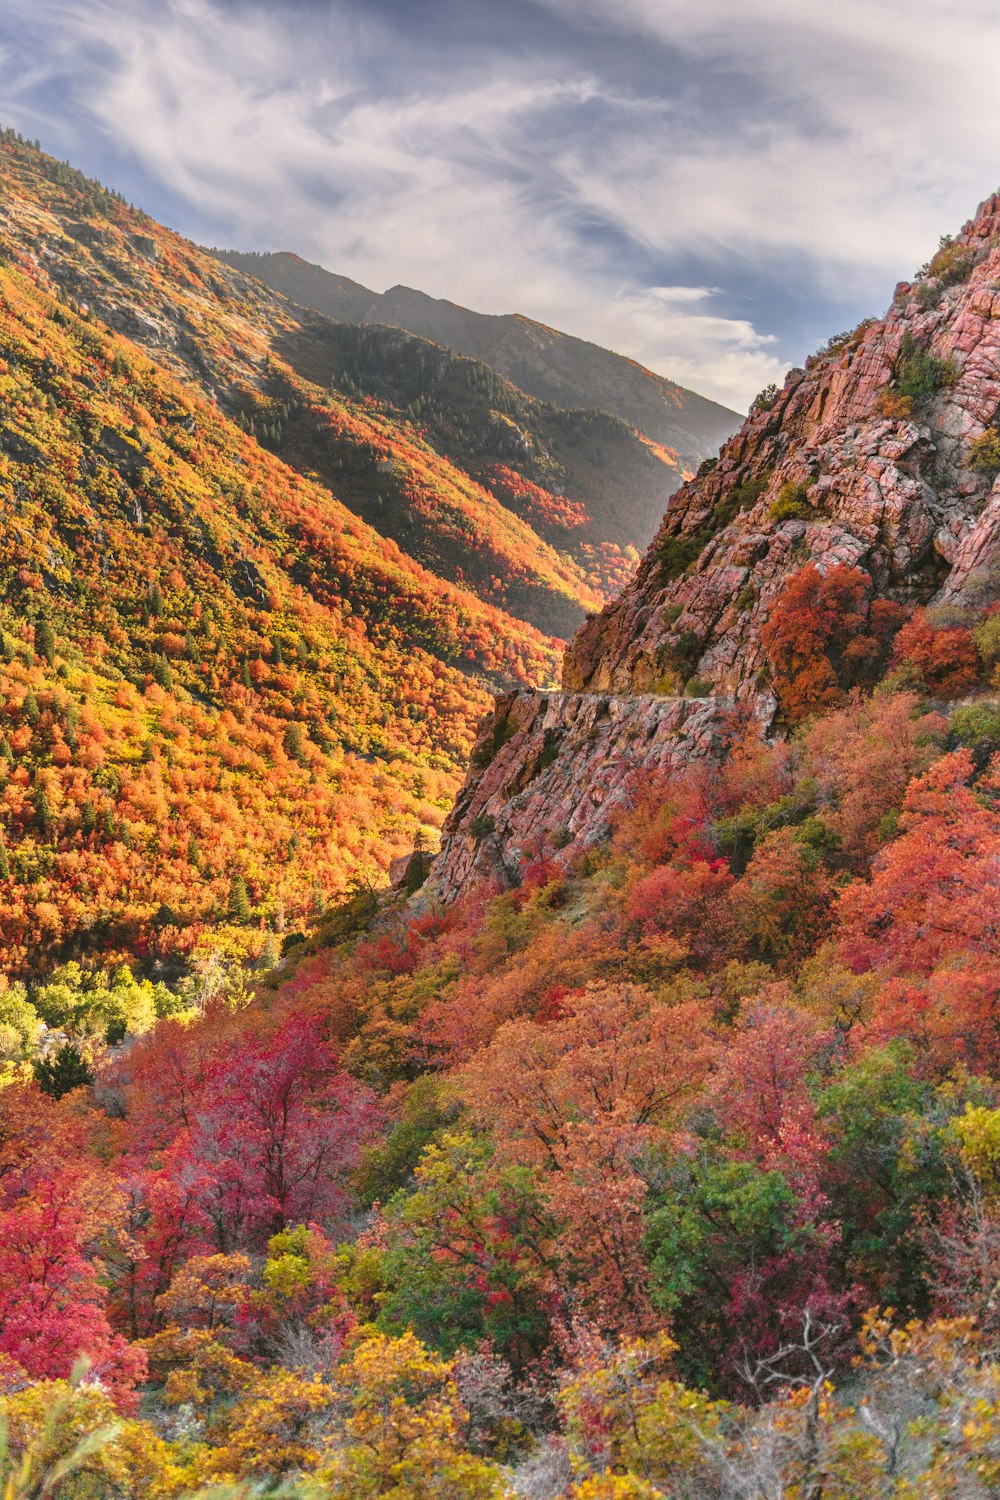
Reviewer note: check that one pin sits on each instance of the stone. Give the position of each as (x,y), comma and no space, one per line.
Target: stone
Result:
(889,493)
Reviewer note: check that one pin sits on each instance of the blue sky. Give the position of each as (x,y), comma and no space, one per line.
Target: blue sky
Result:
(710,186)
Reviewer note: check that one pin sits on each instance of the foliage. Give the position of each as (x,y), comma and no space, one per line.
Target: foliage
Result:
(919,374)
(825,634)
(792,503)
(984,453)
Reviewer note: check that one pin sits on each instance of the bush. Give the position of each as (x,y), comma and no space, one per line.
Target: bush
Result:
(919,373)
(697,687)
(977,725)
(983,456)
(953,263)
(791,504)
(765,398)
(945,661)
(677,553)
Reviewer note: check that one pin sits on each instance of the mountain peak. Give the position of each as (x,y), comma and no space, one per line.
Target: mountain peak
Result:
(863,493)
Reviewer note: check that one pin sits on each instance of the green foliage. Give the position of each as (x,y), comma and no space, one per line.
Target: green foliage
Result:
(886,1125)
(238,905)
(766,398)
(978,726)
(675,554)
(792,503)
(712,1218)
(389,1166)
(65,1070)
(462,1262)
(953,263)
(919,374)
(984,453)
(92,1004)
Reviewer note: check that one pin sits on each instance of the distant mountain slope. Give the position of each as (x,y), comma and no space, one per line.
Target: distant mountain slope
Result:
(223,696)
(240,343)
(545,363)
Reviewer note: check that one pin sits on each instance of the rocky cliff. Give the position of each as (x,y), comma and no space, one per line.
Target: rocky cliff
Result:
(881,454)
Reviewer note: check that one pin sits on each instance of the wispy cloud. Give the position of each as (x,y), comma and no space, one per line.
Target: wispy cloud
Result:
(708,188)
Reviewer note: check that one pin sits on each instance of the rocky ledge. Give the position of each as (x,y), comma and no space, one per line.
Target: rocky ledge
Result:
(549,769)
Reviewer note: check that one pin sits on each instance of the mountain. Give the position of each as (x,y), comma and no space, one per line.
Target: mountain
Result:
(547,364)
(267,364)
(861,491)
(223,695)
(651,1146)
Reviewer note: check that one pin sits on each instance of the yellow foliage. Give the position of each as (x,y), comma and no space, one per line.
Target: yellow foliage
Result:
(977,1136)
(62,1433)
(403,1430)
(275,1430)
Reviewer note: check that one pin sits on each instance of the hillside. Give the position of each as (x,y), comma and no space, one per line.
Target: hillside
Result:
(547,364)
(223,697)
(650,1149)
(268,364)
(859,496)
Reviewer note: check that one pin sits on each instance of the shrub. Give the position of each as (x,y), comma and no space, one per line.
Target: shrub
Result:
(823,636)
(791,504)
(765,398)
(920,374)
(983,456)
(945,660)
(677,553)
(481,825)
(697,687)
(977,725)
(953,263)
(892,405)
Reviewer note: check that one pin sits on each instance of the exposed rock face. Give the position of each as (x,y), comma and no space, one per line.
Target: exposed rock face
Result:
(550,769)
(885,493)
(841,467)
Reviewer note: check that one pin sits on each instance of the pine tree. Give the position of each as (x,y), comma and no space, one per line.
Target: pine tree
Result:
(238,905)
(43,810)
(66,1069)
(45,640)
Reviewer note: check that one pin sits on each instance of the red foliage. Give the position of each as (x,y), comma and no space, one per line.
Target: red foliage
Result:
(823,636)
(56,1208)
(929,918)
(945,659)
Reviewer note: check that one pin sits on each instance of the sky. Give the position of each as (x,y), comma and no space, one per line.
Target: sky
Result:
(712,187)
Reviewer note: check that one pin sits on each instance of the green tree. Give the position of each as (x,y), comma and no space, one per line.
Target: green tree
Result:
(238,905)
(67,1069)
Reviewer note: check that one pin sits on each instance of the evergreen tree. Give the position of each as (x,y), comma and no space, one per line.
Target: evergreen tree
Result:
(238,905)
(66,1069)
(45,640)
(43,810)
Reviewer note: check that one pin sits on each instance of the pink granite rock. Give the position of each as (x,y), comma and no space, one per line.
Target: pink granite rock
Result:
(877,487)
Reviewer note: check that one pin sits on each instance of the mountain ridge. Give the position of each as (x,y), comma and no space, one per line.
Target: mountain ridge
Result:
(862,492)
(541,360)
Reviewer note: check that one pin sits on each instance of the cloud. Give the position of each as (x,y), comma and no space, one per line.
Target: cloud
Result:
(706,188)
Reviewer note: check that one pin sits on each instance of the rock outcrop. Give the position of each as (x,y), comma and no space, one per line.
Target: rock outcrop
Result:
(550,769)
(863,458)
(862,474)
